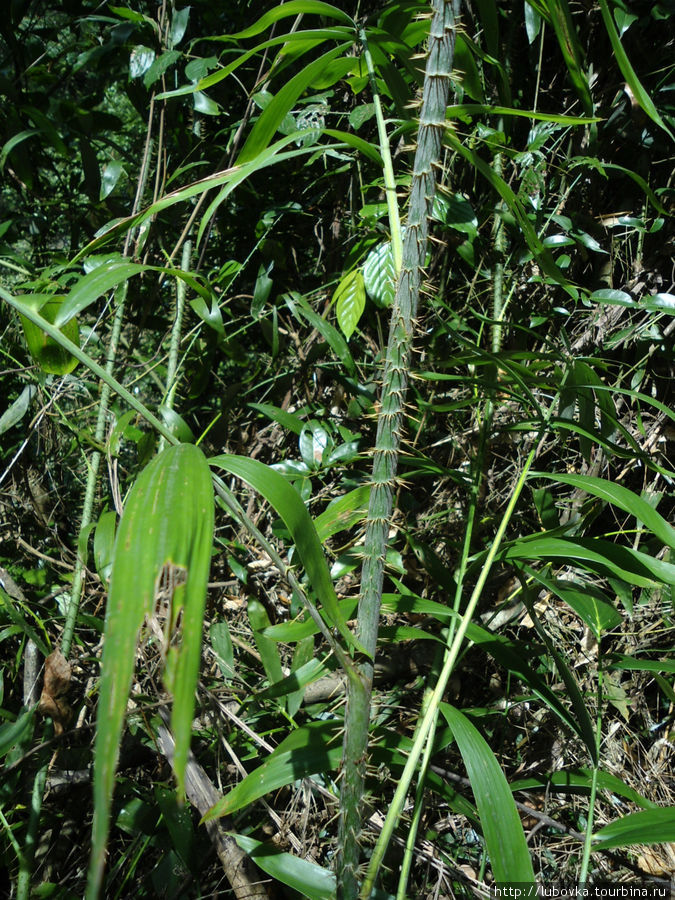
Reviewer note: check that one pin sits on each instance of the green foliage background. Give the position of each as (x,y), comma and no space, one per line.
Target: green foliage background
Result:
(200,244)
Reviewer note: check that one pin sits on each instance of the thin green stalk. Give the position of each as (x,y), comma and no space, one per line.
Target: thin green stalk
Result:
(27,857)
(448,667)
(388,167)
(409,852)
(389,433)
(172,365)
(176,333)
(499,240)
(586,856)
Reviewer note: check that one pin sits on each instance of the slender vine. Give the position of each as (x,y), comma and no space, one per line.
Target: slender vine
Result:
(440,56)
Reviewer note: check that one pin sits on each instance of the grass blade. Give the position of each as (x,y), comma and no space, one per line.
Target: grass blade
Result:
(506,845)
(168,519)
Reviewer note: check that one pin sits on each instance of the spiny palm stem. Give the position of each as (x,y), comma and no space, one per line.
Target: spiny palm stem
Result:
(389,432)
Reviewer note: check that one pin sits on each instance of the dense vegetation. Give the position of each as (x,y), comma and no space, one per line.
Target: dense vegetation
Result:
(336,477)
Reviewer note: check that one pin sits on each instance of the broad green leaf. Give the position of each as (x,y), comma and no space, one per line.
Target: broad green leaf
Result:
(532,23)
(140,60)
(467,70)
(221,642)
(502,828)
(578,781)
(343,513)
(13,142)
(11,733)
(621,497)
(301,308)
(597,555)
(455,212)
(104,544)
(18,409)
(287,420)
(108,275)
(179,23)
(304,668)
(93,285)
(634,83)
(650,302)
(309,750)
(650,826)
(300,875)
(288,504)
(268,650)
(349,299)
(379,277)
(205,105)
(294,8)
(50,355)
(163,540)
(299,678)
(621,661)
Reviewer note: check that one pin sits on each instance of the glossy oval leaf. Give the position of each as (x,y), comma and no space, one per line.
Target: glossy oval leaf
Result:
(349,299)
(47,352)
(379,275)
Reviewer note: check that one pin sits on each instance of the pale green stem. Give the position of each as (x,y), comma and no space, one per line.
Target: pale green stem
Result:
(400,794)
(176,332)
(409,852)
(588,838)
(387,165)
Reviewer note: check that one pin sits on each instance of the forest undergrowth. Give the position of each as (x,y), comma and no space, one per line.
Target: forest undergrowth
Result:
(336,450)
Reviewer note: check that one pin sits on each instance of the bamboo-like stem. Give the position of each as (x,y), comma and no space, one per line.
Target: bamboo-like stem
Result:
(389,431)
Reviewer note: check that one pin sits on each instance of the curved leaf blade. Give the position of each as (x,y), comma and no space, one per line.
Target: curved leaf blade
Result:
(504,836)
(306,751)
(649,826)
(307,878)
(289,506)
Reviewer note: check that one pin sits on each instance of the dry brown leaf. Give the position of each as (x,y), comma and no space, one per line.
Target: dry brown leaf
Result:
(54,690)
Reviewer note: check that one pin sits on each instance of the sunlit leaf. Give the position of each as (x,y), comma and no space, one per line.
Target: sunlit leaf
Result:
(166,528)
(650,826)
(349,299)
(308,750)
(379,276)
(300,875)
(47,352)
(140,60)
(504,837)
(288,504)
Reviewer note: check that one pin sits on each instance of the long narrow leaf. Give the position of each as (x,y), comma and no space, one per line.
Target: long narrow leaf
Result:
(289,506)
(634,83)
(621,497)
(650,826)
(504,837)
(167,521)
(306,751)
